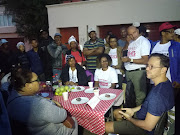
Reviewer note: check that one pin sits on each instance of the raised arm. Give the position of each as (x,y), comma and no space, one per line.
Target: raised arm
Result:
(54,52)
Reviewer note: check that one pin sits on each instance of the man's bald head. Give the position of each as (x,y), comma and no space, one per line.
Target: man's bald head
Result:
(133,32)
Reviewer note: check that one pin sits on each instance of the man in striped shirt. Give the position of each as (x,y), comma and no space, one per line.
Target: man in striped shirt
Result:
(92,48)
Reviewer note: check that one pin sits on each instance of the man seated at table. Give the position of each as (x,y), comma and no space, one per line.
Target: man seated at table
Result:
(73,73)
(142,120)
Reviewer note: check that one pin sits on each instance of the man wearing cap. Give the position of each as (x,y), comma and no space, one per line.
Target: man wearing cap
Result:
(58,52)
(170,48)
(7,58)
(135,63)
(92,48)
(46,58)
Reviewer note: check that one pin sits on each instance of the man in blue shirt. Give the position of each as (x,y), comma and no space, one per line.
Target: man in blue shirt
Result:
(35,61)
(122,40)
(159,100)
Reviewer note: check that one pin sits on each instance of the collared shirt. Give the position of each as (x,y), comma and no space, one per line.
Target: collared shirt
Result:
(91,60)
(35,62)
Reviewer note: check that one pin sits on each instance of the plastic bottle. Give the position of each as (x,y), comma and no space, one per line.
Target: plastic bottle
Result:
(56,77)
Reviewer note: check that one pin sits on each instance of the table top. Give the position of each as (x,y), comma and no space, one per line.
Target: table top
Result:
(91,119)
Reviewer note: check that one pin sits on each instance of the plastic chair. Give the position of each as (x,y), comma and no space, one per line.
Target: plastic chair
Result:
(159,129)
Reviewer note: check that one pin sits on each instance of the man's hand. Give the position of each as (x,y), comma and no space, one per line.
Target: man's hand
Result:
(67,83)
(176,84)
(125,59)
(127,113)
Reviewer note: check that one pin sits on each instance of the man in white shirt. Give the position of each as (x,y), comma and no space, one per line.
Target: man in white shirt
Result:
(135,63)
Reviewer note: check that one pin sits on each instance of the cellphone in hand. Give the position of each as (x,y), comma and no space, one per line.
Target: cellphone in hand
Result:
(125,53)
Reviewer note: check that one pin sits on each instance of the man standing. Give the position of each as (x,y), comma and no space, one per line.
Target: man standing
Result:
(58,52)
(7,58)
(46,58)
(135,63)
(35,60)
(159,101)
(122,40)
(92,48)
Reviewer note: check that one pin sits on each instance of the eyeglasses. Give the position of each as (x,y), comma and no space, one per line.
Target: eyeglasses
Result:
(151,67)
(34,81)
(171,32)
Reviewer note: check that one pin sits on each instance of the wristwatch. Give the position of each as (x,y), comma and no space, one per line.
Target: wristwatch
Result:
(131,61)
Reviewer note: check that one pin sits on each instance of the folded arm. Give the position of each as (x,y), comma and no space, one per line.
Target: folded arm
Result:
(91,52)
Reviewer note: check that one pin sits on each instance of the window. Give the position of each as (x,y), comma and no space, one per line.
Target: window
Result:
(6,20)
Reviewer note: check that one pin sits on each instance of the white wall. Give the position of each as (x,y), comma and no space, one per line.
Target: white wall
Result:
(109,12)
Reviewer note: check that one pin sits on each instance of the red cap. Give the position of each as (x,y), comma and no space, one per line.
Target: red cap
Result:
(165,26)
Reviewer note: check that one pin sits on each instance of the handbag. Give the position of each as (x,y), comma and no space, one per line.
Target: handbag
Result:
(69,122)
(130,97)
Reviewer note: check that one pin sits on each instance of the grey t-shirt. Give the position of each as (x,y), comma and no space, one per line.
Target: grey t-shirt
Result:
(41,116)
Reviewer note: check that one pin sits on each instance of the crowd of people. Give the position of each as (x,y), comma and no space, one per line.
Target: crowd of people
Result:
(151,68)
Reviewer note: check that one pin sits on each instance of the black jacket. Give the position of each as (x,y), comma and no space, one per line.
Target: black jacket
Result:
(81,75)
(46,57)
(22,60)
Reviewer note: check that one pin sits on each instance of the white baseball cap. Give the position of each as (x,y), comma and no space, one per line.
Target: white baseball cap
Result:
(177,31)
(91,29)
(3,41)
(136,24)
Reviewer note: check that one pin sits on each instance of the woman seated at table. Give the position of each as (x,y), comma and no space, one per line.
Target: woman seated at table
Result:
(105,76)
(34,114)
(73,73)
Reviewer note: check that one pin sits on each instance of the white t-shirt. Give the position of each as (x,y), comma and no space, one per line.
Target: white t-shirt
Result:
(73,75)
(105,78)
(162,49)
(113,55)
(136,49)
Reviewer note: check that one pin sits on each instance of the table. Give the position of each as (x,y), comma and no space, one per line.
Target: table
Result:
(91,119)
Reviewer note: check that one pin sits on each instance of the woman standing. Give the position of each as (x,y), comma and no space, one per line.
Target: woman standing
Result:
(21,58)
(114,52)
(79,57)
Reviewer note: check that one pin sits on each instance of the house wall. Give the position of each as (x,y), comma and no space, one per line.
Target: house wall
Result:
(110,12)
